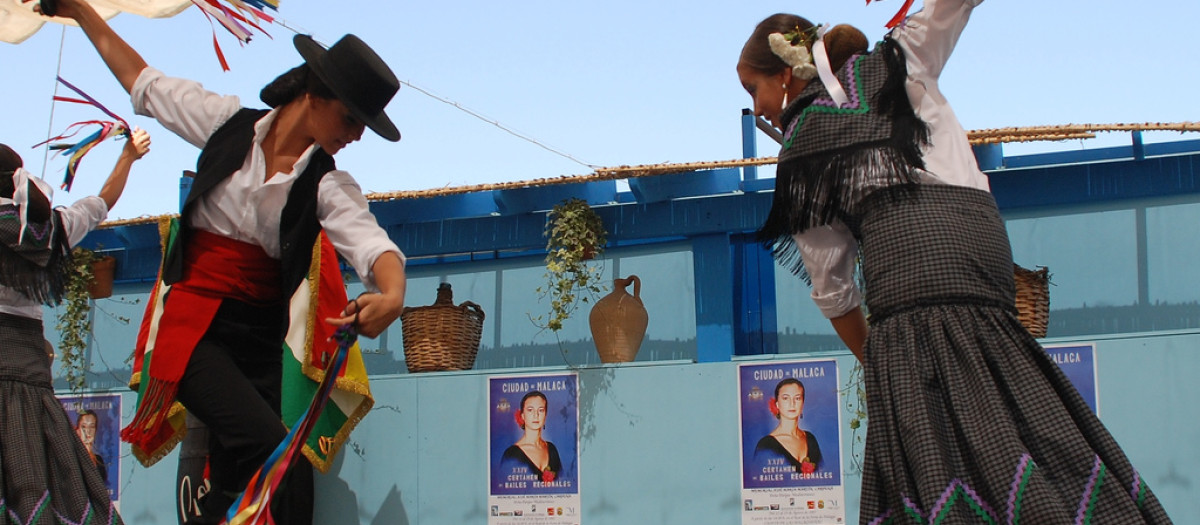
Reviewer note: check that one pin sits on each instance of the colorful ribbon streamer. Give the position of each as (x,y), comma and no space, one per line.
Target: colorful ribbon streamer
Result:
(233,19)
(253,507)
(77,150)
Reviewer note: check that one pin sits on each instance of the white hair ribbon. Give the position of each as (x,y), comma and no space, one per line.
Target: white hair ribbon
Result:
(21,179)
(825,71)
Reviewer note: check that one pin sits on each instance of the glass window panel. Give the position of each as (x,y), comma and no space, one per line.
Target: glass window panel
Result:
(1173,249)
(1092,259)
(802,327)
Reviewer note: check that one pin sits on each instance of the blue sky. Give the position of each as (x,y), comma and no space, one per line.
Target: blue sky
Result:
(609,83)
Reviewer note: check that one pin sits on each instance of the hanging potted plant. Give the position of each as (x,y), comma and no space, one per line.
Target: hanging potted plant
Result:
(74,317)
(575,235)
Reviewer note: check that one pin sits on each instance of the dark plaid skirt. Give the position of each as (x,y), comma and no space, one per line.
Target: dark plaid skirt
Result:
(970,420)
(46,476)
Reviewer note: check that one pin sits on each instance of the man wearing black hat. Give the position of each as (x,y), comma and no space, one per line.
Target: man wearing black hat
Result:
(266,185)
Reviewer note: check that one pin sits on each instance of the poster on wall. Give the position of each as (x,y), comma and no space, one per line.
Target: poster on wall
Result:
(1078,362)
(533,450)
(791,443)
(97,422)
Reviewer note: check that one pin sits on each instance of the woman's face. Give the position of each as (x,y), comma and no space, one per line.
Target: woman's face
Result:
(790,401)
(332,124)
(767,90)
(534,413)
(87,429)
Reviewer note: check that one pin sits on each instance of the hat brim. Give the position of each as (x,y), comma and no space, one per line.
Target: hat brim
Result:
(379,122)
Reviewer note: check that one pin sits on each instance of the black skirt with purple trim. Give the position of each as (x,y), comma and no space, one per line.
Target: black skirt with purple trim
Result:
(970,419)
(46,475)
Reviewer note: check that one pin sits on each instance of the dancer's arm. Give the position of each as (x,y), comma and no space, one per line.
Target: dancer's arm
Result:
(852,328)
(930,35)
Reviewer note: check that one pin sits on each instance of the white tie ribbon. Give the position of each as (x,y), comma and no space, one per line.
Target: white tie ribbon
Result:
(825,71)
(21,179)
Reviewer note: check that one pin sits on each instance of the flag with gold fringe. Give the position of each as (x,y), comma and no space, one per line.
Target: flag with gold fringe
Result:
(309,347)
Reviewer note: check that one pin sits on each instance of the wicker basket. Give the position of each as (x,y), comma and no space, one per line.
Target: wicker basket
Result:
(1033,298)
(441,336)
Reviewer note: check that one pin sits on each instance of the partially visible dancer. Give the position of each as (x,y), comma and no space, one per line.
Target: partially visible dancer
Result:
(46,474)
(266,187)
(971,421)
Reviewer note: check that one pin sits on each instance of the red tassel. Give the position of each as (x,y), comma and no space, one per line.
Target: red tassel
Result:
(220,55)
(900,15)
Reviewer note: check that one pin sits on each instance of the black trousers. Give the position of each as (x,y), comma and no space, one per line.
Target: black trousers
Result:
(233,384)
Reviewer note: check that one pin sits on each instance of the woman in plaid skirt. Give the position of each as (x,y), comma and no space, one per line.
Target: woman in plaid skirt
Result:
(971,421)
(46,474)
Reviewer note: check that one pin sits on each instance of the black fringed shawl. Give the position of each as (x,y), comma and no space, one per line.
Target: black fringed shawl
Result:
(833,157)
(37,267)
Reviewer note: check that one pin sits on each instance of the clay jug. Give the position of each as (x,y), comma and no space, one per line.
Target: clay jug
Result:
(618,322)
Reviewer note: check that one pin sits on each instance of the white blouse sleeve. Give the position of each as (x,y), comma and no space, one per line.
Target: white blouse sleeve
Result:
(928,37)
(829,254)
(343,212)
(82,216)
(182,106)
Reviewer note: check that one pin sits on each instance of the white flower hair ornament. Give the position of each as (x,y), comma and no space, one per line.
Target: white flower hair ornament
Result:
(795,55)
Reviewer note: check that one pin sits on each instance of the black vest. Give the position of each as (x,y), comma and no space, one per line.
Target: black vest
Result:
(223,154)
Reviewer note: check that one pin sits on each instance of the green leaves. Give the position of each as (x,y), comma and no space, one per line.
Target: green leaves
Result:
(575,234)
(74,320)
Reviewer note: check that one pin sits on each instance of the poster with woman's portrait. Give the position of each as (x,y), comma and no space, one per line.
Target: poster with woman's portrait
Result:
(533,440)
(97,423)
(791,442)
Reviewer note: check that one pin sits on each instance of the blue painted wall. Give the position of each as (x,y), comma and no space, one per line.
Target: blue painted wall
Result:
(660,436)
(660,442)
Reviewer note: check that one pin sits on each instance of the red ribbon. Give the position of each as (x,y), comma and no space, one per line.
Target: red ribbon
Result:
(900,15)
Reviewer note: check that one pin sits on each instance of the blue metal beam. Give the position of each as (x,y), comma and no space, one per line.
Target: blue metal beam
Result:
(1097,182)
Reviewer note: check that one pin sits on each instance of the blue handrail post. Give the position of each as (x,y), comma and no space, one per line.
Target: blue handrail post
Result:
(749,144)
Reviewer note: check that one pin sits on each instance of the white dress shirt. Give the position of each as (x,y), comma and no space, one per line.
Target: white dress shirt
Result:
(246,206)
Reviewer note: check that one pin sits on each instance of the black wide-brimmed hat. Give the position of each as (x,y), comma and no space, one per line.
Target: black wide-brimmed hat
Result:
(359,78)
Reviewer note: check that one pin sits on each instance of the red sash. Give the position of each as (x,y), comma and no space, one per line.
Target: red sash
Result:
(215,268)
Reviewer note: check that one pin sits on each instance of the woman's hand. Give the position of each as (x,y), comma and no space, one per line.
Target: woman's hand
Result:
(371,313)
(138,144)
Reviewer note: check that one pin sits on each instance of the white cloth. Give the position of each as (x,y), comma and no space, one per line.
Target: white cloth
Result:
(246,206)
(81,217)
(18,21)
(928,38)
